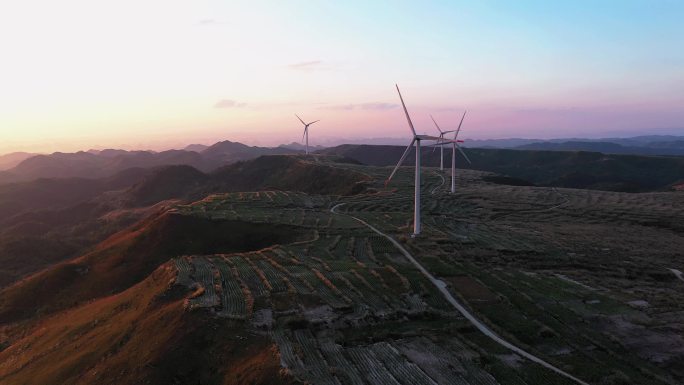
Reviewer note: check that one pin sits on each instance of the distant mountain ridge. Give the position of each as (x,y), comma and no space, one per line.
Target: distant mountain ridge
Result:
(650,141)
(95,164)
(195,147)
(674,148)
(8,161)
(300,147)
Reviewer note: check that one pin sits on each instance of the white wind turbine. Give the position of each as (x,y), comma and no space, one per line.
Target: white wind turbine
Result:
(454,146)
(306,131)
(441,148)
(416,139)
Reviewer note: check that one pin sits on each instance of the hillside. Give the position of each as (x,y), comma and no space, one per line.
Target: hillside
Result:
(53,193)
(87,165)
(141,335)
(50,220)
(276,172)
(576,169)
(129,256)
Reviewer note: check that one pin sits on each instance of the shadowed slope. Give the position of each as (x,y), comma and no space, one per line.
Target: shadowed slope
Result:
(129,256)
(142,335)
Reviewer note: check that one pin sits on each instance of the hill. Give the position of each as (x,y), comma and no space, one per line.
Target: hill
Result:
(8,161)
(275,172)
(44,193)
(575,169)
(141,335)
(225,152)
(195,147)
(89,165)
(300,147)
(129,256)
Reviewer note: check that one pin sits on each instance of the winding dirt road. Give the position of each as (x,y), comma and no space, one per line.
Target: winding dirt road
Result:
(442,287)
(434,190)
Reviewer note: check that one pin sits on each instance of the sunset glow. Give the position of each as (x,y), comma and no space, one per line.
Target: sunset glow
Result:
(77,74)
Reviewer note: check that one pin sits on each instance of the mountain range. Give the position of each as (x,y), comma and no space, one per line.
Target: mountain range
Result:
(22,166)
(105,163)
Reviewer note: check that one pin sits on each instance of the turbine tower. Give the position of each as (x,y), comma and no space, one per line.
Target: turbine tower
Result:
(306,131)
(454,146)
(415,140)
(441,148)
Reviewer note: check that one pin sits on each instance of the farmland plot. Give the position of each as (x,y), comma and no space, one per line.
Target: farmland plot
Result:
(275,277)
(341,367)
(371,367)
(249,276)
(184,271)
(406,372)
(204,274)
(323,290)
(316,366)
(232,296)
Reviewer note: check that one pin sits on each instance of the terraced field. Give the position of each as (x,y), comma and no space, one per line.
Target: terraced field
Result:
(583,279)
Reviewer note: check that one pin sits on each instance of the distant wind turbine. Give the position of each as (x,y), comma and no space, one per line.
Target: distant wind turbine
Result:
(441,148)
(454,146)
(416,139)
(306,131)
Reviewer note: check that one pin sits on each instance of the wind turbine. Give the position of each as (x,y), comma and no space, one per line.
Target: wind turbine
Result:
(306,131)
(441,148)
(415,140)
(454,146)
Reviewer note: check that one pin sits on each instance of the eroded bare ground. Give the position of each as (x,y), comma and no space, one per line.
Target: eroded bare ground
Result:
(580,278)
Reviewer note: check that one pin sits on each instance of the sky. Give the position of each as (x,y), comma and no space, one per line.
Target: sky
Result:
(149,74)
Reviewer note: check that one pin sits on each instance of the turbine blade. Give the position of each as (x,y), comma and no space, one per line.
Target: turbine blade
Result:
(459,125)
(313,122)
(464,154)
(401,160)
(306,128)
(441,139)
(300,119)
(437,125)
(408,118)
